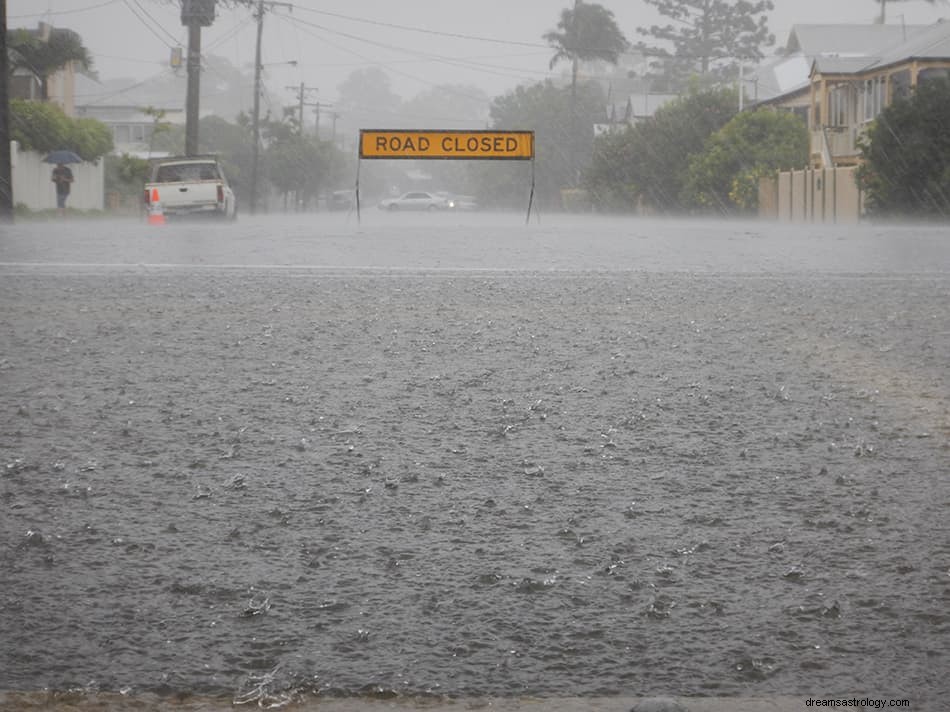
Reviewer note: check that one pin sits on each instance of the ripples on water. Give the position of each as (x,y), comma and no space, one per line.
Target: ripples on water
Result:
(265,484)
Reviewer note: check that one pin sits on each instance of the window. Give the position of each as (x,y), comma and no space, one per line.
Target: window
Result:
(932,73)
(839,106)
(873,97)
(900,85)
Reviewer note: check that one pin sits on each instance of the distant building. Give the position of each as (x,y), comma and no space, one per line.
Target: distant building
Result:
(131,126)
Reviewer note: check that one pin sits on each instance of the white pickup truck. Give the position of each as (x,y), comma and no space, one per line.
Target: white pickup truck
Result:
(190,186)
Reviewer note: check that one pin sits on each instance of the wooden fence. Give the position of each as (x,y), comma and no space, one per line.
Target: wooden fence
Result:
(823,195)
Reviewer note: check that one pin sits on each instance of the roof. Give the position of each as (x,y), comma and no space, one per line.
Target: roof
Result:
(932,43)
(841,65)
(847,40)
(845,49)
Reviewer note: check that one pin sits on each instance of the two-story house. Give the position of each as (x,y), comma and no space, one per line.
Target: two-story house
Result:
(847,93)
(854,72)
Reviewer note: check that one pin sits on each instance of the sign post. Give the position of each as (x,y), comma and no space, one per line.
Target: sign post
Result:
(446,145)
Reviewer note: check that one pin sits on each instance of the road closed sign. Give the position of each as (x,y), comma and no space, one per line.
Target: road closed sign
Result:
(493,145)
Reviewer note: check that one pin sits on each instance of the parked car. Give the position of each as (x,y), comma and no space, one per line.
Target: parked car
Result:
(342,200)
(415,200)
(459,202)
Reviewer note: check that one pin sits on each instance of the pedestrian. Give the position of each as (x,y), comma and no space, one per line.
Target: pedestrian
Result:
(62,177)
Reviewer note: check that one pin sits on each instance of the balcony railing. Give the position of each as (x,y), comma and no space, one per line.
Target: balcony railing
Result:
(837,143)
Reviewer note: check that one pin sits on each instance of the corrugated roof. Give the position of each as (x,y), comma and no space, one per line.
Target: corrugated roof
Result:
(842,65)
(847,49)
(848,40)
(932,43)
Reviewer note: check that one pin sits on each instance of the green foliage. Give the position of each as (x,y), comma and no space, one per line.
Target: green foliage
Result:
(43,127)
(299,163)
(906,155)
(125,175)
(725,176)
(649,162)
(545,109)
(89,138)
(709,35)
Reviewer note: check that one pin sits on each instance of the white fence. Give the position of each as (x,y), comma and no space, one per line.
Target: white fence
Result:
(33,187)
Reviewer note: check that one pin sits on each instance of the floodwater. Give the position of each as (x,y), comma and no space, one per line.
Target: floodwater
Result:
(457,456)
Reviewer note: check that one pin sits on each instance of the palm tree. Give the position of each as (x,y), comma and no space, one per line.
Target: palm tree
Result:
(586,33)
(44,58)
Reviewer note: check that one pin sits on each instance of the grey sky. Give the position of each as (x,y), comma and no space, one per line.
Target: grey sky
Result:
(331,38)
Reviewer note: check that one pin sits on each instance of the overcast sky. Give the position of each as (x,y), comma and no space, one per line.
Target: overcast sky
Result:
(492,44)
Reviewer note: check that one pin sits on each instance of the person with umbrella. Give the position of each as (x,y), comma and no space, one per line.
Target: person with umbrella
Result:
(62,175)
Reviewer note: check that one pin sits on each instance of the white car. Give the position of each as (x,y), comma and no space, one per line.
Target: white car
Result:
(415,200)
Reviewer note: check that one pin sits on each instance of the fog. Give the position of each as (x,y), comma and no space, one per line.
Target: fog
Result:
(492,45)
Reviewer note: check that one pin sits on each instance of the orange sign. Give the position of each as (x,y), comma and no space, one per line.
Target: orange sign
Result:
(510,145)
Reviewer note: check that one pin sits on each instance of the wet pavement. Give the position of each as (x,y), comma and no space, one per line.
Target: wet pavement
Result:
(319,465)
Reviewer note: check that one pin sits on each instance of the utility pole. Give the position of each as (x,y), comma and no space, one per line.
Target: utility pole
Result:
(255,153)
(316,110)
(335,115)
(256,119)
(6,177)
(301,94)
(195,14)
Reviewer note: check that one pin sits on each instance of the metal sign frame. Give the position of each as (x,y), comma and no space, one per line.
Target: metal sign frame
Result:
(445,145)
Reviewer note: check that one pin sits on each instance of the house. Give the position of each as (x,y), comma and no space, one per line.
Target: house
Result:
(636,108)
(847,93)
(854,73)
(784,81)
(132,126)
(60,86)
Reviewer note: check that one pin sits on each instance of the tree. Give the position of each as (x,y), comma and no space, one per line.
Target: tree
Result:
(544,108)
(649,162)
(725,176)
(586,33)
(906,155)
(45,127)
(44,58)
(126,175)
(710,36)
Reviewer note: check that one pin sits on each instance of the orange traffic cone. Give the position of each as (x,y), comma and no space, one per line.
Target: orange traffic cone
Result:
(156,214)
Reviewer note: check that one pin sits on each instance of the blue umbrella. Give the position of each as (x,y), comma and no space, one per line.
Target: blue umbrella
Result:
(62,157)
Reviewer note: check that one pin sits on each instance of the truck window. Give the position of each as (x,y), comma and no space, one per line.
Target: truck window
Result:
(167,174)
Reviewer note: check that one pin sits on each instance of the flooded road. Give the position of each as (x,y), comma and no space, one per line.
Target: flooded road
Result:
(459,456)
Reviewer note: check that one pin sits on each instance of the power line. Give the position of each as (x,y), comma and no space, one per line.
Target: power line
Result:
(64,12)
(430,57)
(148,26)
(157,23)
(453,35)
